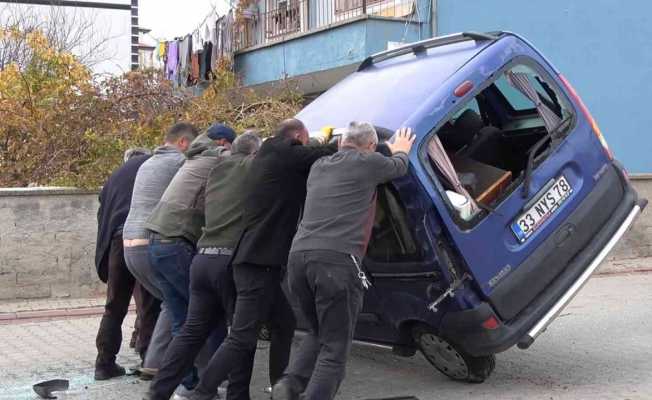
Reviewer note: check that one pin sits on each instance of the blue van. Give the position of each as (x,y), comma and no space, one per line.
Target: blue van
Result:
(512,201)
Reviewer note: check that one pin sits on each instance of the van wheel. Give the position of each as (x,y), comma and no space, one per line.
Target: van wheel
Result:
(450,360)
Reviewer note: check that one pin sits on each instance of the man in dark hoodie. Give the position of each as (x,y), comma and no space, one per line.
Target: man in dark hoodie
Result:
(115,199)
(176,223)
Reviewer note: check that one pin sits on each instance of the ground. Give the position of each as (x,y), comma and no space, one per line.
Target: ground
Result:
(600,348)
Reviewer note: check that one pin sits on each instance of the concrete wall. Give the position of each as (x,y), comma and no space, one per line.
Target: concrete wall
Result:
(47,243)
(602,46)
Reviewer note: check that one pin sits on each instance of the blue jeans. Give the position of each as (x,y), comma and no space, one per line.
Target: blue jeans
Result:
(171,261)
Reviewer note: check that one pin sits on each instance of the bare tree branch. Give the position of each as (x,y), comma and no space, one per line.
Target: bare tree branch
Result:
(67,29)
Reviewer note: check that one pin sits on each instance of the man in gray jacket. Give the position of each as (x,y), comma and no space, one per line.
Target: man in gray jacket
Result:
(151,181)
(324,268)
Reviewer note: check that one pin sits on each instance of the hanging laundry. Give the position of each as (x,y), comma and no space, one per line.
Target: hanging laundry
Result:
(229,22)
(185,48)
(194,70)
(216,47)
(196,41)
(162,50)
(172,62)
(205,62)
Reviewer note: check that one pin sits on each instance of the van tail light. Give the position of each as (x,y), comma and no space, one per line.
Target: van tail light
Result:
(587,115)
(491,323)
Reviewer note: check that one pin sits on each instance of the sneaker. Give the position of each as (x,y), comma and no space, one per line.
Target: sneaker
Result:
(287,388)
(104,372)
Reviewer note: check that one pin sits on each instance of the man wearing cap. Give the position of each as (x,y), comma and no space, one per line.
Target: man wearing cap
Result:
(211,284)
(176,224)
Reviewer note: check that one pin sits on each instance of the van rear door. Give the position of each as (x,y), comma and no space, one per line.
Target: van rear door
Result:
(528,232)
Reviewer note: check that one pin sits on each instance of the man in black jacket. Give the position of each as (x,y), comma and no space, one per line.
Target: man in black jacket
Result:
(276,190)
(115,199)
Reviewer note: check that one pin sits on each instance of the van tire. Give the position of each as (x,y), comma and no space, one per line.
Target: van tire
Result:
(451,360)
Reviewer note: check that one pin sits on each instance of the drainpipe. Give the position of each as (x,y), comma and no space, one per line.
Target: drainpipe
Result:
(433,18)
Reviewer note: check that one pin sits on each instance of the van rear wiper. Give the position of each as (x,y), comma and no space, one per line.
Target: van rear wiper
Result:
(552,136)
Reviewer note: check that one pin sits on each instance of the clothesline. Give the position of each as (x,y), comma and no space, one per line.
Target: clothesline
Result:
(191,59)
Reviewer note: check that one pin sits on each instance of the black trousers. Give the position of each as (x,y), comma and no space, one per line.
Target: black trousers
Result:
(330,295)
(211,294)
(260,299)
(120,287)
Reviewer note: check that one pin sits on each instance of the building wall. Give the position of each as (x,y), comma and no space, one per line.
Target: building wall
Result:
(113,20)
(603,47)
(47,243)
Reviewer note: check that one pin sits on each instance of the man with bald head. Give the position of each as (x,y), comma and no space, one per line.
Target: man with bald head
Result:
(324,270)
(276,191)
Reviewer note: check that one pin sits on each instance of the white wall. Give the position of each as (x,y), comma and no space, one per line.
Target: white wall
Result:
(111,25)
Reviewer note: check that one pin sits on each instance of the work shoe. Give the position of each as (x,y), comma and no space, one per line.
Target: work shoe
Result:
(108,371)
(287,388)
(147,374)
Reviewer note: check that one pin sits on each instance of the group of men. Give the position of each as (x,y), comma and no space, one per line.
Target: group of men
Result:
(209,226)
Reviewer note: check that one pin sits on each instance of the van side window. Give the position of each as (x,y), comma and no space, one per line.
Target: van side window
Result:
(391,238)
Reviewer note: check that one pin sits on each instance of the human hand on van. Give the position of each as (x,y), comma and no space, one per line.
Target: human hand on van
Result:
(403,141)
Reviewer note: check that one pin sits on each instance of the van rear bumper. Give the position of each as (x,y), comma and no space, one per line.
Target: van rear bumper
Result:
(465,327)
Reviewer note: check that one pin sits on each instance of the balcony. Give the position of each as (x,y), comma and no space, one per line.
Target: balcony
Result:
(320,41)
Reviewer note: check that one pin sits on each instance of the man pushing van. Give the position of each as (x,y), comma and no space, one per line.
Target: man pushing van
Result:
(324,268)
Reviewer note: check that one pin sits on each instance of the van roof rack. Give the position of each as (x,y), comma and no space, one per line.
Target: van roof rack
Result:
(421,46)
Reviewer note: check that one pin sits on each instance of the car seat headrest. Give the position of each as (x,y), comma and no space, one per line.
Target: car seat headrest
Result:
(468,124)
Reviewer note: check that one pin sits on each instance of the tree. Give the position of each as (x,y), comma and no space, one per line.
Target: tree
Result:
(60,126)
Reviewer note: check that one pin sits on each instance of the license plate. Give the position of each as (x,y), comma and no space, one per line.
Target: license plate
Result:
(532,219)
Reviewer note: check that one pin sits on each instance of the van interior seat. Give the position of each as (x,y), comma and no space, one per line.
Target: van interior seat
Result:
(487,147)
(464,129)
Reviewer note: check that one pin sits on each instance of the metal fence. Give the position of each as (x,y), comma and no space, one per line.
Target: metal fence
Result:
(284,18)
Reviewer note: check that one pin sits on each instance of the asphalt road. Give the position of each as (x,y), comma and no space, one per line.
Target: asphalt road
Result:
(600,348)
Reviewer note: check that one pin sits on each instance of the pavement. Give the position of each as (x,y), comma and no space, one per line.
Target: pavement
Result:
(599,348)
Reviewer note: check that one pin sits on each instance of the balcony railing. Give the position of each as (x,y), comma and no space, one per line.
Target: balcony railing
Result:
(289,17)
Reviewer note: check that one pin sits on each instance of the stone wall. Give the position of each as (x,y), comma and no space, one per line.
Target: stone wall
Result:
(47,243)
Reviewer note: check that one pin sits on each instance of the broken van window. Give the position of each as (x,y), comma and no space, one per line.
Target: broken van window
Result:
(488,139)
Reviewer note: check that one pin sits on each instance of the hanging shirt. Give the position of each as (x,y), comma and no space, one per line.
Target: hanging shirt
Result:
(215,49)
(162,50)
(194,69)
(185,46)
(205,62)
(172,62)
